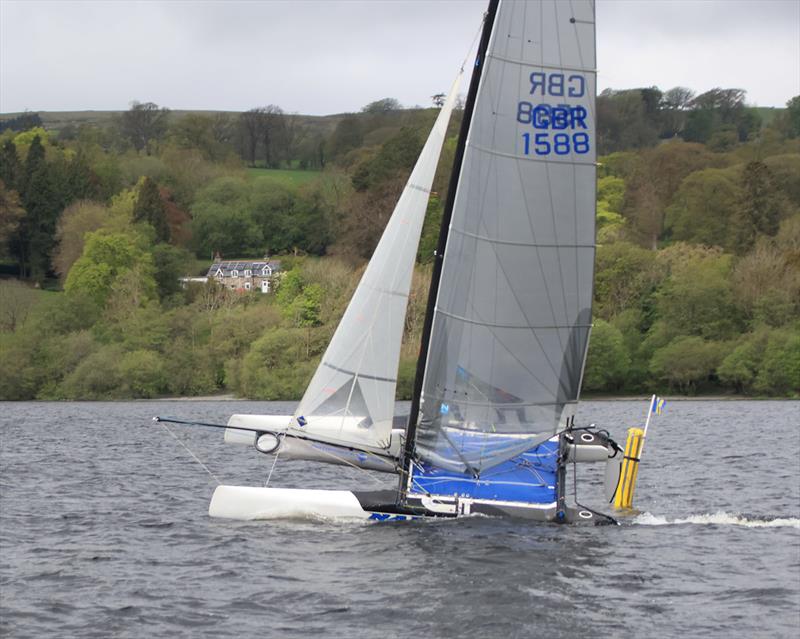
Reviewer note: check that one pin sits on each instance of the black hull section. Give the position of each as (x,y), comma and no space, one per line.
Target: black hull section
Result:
(385,502)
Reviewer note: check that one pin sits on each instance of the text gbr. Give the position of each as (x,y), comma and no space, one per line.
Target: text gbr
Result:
(562,117)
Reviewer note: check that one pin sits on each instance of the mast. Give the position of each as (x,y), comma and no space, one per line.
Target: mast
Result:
(447,214)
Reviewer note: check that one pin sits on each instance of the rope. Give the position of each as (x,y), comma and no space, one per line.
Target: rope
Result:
(274,461)
(196,458)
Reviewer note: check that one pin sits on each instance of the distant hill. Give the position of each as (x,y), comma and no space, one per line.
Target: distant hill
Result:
(57,120)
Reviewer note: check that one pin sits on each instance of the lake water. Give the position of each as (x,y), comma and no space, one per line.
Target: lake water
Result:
(104,532)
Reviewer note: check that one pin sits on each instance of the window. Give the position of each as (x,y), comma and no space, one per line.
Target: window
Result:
(247,272)
(266,271)
(247,285)
(234,273)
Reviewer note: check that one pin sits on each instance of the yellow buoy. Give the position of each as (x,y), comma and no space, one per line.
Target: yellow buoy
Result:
(623,498)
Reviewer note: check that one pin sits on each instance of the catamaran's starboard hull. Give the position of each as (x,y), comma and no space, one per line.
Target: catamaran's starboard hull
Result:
(251,503)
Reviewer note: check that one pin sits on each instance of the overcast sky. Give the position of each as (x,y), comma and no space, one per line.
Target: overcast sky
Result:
(322,57)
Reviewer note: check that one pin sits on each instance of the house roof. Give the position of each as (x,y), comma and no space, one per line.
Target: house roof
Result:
(228,266)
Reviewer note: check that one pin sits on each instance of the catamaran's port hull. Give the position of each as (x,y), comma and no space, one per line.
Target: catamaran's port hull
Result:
(252,503)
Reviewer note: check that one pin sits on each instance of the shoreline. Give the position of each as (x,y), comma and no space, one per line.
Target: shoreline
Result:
(228,397)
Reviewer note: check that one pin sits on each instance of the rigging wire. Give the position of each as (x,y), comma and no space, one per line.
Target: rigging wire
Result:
(281,436)
(188,450)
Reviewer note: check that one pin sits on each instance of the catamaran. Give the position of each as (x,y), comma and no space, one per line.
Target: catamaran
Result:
(491,428)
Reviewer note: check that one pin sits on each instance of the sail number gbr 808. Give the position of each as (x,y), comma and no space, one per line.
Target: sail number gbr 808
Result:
(561,128)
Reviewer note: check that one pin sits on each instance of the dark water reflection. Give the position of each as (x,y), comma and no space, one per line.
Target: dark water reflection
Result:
(104,533)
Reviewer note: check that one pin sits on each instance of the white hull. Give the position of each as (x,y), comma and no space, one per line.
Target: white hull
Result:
(251,502)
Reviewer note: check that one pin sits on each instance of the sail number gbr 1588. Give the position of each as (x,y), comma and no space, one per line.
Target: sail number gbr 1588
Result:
(557,129)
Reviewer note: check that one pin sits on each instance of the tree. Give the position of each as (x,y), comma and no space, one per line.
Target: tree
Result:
(674,105)
(780,367)
(208,134)
(652,183)
(398,154)
(144,124)
(686,361)
(793,116)
(106,257)
(625,276)
(702,209)
(438,100)
(761,206)
(16,302)
(697,297)
(250,124)
(43,204)
(740,367)
(149,208)
(223,221)
(11,215)
(347,136)
(381,107)
(608,360)
(76,221)
(10,166)
(766,281)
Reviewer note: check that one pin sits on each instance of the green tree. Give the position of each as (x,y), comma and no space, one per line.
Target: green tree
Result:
(702,209)
(793,112)
(686,362)
(740,367)
(697,297)
(142,374)
(107,257)
(223,221)
(76,221)
(625,276)
(760,208)
(144,124)
(780,367)
(10,166)
(149,208)
(11,215)
(608,360)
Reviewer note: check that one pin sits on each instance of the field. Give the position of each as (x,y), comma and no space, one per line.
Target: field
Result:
(290,177)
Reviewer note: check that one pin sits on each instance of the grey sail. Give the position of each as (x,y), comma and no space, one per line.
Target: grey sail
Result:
(512,315)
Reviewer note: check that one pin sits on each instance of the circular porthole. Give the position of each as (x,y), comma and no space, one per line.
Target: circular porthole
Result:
(267,443)
(585,514)
(587,437)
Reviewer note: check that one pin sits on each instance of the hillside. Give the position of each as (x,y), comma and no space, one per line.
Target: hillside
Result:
(697,285)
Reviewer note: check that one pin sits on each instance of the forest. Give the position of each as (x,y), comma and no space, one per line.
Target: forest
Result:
(697,282)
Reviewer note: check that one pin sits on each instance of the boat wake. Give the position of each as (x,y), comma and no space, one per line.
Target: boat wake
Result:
(720,518)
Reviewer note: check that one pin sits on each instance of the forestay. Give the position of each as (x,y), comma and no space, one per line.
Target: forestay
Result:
(351,397)
(513,309)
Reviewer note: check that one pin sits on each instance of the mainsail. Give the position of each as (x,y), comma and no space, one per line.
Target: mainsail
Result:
(350,399)
(512,313)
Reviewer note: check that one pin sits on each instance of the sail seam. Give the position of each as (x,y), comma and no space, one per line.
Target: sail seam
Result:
(359,375)
(531,159)
(526,326)
(540,65)
(418,188)
(467,402)
(513,243)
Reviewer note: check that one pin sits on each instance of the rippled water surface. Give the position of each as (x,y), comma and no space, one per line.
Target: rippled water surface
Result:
(104,532)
